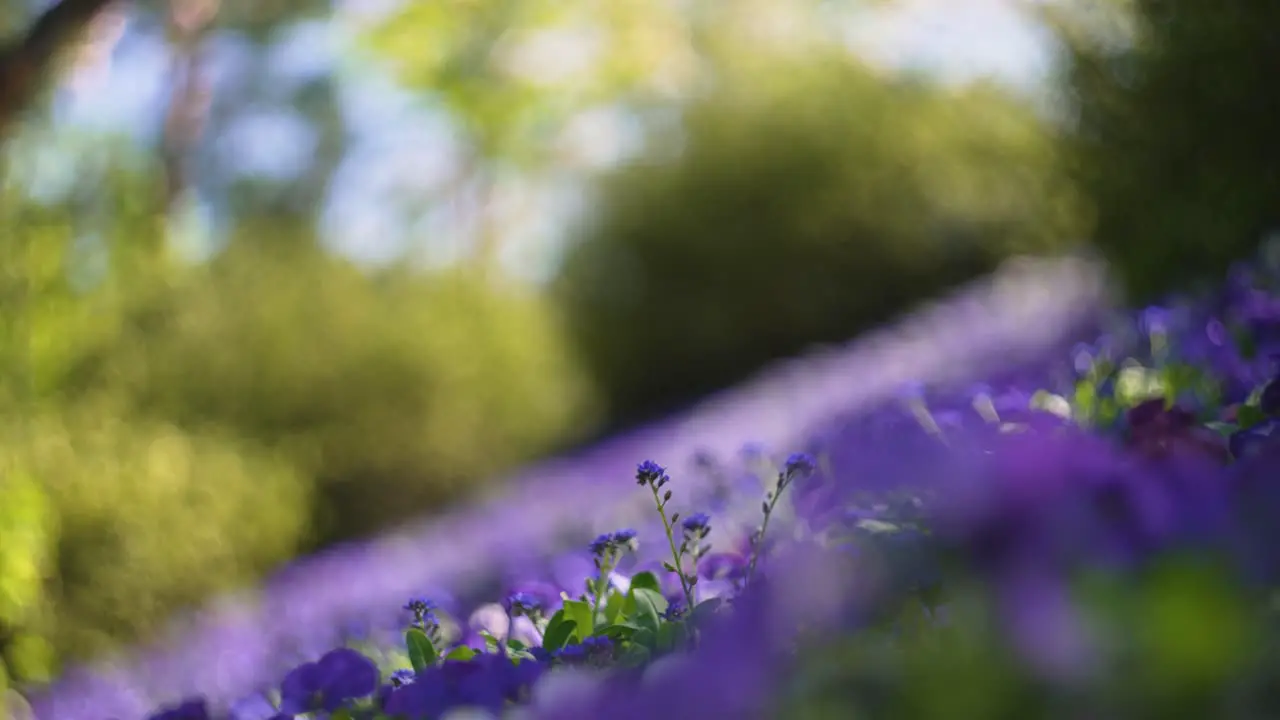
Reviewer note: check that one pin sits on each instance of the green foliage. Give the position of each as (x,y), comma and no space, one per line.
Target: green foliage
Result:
(397,393)
(149,520)
(1173,134)
(812,199)
(28,532)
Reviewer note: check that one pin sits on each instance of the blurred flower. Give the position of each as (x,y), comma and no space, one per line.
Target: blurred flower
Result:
(522,603)
(1251,441)
(1269,402)
(1156,432)
(339,676)
(188,710)
(799,465)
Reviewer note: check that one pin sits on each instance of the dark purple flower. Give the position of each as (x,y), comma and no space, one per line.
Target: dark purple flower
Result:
(1269,403)
(341,675)
(723,566)
(1251,441)
(195,709)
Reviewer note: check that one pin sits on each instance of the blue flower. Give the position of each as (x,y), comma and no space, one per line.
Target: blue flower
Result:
(651,473)
(424,611)
(697,523)
(799,465)
(402,677)
(598,650)
(612,542)
(341,675)
(195,709)
(522,603)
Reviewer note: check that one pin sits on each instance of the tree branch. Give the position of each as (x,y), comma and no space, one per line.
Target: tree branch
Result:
(26,63)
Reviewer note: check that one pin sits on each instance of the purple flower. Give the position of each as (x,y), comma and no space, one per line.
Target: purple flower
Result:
(196,709)
(612,542)
(799,465)
(652,474)
(1269,403)
(522,603)
(424,611)
(489,682)
(1251,441)
(341,675)
(697,523)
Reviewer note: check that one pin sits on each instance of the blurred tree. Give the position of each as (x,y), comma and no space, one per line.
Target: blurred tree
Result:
(148,521)
(809,199)
(1172,115)
(27,61)
(399,394)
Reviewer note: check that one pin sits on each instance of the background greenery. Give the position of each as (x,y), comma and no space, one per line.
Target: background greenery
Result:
(175,427)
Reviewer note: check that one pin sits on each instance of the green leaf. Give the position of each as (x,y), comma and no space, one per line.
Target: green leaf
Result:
(614,607)
(1224,429)
(558,633)
(646,580)
(490,642)
(635,656)
(1248,416)
(618,631)
(671,636)
(516,645)
(462,652)
(704,611)
(422,654)
(645,638)
(650,605)
(580,613)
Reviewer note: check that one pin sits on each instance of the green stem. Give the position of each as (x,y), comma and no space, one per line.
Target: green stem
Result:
(755,551)
(601,583)
(675,554)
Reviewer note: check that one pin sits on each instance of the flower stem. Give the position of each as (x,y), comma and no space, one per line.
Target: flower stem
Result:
(675,554)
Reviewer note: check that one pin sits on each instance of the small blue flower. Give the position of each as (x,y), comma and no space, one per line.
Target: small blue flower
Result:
(402,677)
(424,611)
(522,603)
(570,653)
(697,523)
(799,465)
(675,609)
(597,649)
(613,542)
(602,544)
(652,474)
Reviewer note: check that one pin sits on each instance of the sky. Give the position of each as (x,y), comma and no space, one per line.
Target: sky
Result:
(399,147)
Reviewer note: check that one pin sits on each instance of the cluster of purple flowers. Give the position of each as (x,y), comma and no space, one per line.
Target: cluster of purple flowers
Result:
(1094,539)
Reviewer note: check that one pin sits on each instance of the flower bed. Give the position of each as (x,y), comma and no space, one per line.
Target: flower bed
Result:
(1101,547)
